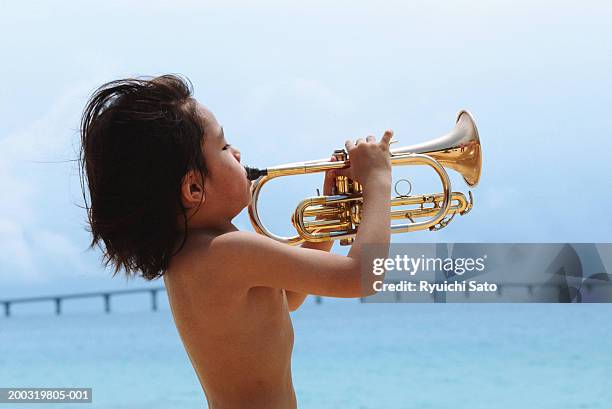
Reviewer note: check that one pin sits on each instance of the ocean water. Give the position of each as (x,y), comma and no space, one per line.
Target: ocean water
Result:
(346,355)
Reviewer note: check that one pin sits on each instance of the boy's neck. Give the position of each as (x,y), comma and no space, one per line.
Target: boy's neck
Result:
(221,226)
(213,226)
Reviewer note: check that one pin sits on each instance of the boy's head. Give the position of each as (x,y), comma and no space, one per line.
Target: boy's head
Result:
(156,163)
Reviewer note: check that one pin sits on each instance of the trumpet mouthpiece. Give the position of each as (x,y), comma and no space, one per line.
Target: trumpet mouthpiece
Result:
(255,173)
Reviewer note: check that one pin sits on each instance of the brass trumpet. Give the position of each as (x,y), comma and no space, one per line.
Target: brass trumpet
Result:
(324,218)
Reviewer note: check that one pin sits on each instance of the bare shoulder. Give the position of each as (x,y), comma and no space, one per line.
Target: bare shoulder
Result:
(238,243)
(253,260)
(196,258)
(240,253)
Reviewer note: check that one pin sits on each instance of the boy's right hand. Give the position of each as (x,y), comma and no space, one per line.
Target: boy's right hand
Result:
(370,161)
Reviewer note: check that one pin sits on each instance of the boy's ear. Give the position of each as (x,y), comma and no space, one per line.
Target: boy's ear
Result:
(192,190)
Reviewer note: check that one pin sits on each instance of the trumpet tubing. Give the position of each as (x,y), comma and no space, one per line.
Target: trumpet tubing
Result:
(428,204)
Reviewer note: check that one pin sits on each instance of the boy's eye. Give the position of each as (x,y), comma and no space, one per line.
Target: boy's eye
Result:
(226,146)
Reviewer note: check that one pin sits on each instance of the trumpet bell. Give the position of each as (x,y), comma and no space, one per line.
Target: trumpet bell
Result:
(460,149)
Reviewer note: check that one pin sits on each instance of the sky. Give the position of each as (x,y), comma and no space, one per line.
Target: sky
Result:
(292,82)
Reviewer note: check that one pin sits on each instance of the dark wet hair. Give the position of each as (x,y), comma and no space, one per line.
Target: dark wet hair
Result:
(139,137)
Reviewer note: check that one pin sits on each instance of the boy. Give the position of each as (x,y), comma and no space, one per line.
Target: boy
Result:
(165,185)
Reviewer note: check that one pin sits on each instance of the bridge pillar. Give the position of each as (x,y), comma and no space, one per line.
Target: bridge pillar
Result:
(58,306)
(154,300)
(106,303)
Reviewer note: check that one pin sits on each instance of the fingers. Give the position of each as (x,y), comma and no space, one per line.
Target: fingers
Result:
(330,179)
(385,140)
(387,137)
(341,172)
(330,174)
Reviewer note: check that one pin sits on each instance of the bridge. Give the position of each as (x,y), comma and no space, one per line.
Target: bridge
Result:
(57,300)
(105,296)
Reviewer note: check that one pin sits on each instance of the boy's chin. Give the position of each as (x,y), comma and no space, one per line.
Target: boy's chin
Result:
(247,198)
(245,203)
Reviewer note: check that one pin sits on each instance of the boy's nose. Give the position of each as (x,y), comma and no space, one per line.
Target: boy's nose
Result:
(237,154)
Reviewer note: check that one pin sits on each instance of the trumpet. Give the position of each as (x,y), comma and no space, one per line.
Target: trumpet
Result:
(337,217)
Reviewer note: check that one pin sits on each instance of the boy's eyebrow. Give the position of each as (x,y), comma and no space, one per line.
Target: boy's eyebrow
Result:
(222,135)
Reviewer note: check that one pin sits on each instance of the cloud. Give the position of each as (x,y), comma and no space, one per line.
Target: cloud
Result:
(35,245)
(15,253)
(30,254)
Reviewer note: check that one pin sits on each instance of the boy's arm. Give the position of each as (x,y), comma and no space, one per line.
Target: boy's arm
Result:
(295,299)
(250,260)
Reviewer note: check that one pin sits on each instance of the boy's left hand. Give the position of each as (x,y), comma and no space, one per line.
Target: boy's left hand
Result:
(329,182)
